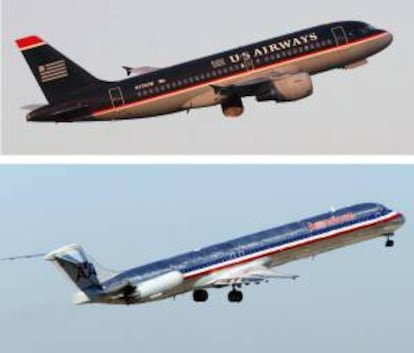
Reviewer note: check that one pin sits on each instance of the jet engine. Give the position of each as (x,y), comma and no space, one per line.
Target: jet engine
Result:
(159,285)
(287,89)
(233,107)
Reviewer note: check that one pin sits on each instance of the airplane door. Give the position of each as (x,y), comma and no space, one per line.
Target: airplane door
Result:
(340,35)
(248,61)
(116,96)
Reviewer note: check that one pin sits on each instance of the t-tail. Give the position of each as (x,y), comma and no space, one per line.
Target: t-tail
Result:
(80,270)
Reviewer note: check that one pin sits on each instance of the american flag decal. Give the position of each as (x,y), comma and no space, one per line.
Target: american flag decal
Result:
(53,71)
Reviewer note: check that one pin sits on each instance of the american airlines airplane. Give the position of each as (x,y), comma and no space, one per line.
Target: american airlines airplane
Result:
(277,70)
(234,263)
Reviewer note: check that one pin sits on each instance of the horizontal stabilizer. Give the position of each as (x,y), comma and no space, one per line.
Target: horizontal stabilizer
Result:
(64,113)
(32,107)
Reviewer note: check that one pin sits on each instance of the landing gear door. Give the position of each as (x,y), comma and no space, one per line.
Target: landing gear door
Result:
(116,96)
(340,35)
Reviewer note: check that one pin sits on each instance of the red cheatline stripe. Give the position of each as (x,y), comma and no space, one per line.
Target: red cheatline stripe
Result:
(311,241)
(29,42)
(302,56)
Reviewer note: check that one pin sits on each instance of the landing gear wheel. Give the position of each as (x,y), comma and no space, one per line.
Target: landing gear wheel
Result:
(390,243)
(200,296)
(235,296)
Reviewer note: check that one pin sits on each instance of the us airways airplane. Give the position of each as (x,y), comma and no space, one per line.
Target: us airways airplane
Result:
(276,70)
(234,263)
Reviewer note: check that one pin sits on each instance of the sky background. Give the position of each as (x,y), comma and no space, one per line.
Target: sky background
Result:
(357,299)
(363,111)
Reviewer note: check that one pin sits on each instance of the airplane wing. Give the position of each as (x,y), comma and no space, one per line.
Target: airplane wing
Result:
(243,89)
(280,86)
(247,275)
(250,87)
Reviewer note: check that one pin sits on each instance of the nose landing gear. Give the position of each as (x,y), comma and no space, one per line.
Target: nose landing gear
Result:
(235,296)
(389,243)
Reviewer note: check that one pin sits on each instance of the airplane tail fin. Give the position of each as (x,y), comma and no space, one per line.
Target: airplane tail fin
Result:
(80,269)
(58,77)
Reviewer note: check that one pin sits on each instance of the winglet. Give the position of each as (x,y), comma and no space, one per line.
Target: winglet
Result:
(128,70)
(29,42)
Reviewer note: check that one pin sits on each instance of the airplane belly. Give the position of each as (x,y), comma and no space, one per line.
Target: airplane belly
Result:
(361,51)
(317,64)
(175,102)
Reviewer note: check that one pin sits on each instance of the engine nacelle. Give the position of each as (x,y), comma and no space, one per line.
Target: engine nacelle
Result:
(287,89)
(159,284)
(233,107)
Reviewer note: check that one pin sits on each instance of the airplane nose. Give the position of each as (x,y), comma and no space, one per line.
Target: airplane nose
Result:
(389,38)
(401,219)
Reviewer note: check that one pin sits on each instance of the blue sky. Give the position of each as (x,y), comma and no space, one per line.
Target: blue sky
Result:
(354,299)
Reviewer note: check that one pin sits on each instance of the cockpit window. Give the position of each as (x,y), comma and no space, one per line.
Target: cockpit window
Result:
(367,29)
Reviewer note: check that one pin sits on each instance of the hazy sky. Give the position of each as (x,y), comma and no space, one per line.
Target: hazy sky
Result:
(365,111)
(357,299)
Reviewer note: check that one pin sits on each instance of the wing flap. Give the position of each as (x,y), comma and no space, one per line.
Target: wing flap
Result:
(251,87)
(254,274)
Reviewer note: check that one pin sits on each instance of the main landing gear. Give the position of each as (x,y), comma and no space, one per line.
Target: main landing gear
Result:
(200,296)
(235,296)
(389,243)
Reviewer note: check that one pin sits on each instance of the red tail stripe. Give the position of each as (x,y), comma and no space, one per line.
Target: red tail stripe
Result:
(27,42)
